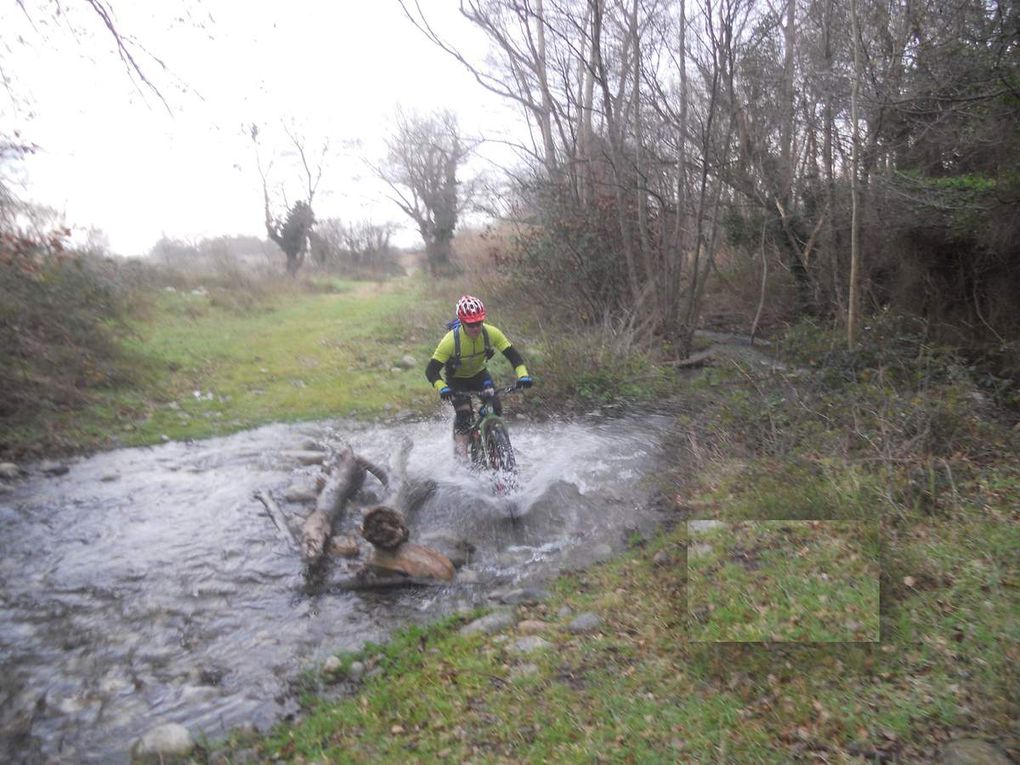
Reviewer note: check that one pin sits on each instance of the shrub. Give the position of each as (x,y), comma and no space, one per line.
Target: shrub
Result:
(60,317)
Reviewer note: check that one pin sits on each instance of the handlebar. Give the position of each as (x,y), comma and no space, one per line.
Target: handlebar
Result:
(484,395)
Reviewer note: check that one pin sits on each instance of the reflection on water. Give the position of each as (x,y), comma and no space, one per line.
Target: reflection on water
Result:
(148,585)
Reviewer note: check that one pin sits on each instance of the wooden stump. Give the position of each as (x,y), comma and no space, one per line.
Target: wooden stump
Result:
(384,527)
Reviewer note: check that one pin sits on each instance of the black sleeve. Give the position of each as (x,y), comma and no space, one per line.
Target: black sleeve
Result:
(432,371)
(513,356)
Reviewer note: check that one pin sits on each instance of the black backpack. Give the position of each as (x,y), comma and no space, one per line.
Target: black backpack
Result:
(454,361)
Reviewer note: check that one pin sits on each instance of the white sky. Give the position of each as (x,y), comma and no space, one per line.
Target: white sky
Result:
(112,156)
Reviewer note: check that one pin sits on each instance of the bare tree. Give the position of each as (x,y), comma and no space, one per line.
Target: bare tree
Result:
(292,232)
(425,154)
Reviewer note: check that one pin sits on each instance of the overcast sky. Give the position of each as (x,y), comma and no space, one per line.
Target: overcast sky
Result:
(113,156)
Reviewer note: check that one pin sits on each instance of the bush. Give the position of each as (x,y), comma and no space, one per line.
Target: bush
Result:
(60,318)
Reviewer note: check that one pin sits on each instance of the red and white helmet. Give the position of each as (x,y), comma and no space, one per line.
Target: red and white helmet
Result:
(470,310)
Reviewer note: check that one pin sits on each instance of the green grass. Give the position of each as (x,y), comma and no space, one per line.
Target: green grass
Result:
(641,691)
(209,368)
(785,581)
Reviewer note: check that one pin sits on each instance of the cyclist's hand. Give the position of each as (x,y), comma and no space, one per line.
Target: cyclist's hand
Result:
(525,382)
(445,393)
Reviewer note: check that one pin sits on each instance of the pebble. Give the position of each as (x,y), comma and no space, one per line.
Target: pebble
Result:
(530,644)
(490,624)
(586,622)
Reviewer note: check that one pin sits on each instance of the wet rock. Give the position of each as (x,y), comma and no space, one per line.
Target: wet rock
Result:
(584,623)
(52,467)
(972,751)
(530,644)
(526,596)
(356,671)
(9,471)
(490,624)
(163,744)
(110,477)
(467,575)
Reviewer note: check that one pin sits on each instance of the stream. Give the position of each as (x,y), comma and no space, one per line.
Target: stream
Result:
(148,585)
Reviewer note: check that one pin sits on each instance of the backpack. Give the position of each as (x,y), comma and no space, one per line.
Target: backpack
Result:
(454,361)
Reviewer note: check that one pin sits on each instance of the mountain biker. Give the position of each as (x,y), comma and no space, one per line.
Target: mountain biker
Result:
(462,354)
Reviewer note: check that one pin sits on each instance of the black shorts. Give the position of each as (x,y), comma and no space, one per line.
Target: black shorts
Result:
(475,384)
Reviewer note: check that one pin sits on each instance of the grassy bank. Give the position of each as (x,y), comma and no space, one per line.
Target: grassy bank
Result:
(200,360)
(891,474)
(204,364)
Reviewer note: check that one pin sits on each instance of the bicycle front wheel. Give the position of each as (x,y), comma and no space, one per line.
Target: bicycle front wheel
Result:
(500,452)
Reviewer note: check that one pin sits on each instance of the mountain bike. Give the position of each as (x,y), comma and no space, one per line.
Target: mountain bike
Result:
(489,444)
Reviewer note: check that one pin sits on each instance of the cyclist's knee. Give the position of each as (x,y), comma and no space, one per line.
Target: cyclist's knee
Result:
(497,406)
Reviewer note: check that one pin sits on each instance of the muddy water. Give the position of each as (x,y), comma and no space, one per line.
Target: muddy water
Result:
(148,586)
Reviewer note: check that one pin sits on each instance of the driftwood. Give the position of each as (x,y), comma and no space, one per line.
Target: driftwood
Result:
(414,561)
(275,515)
(346,475)
(387,531)
(370,581)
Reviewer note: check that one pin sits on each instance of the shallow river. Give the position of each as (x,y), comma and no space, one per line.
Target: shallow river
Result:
(148,585)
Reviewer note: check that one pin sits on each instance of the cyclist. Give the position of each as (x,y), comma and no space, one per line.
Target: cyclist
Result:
(462,354)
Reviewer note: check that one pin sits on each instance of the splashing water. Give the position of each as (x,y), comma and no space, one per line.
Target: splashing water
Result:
(147,586)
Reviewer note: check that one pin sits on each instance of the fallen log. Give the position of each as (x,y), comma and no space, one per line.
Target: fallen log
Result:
(413,560)
(346,476)
(275,515)
(386,529)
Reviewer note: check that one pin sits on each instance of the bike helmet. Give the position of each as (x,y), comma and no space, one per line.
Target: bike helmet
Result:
(470,310)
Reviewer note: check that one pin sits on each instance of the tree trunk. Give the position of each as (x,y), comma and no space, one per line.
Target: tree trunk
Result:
(345,478)
(853,297)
